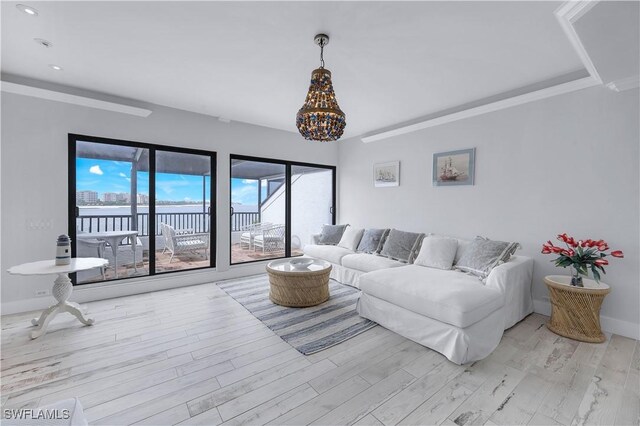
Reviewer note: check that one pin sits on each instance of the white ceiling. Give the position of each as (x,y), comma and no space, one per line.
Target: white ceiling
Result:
(251,61)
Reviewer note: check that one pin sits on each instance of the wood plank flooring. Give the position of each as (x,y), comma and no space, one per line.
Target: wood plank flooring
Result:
(195,356)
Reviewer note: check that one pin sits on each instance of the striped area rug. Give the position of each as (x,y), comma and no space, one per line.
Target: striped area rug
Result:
(309,330)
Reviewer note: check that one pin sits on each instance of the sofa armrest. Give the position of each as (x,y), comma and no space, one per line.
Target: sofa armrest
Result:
(518,269)
(513,279)
(315,238)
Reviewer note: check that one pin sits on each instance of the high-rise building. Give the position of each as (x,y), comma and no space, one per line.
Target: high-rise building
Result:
(143,199)
(113,197)
(86,197)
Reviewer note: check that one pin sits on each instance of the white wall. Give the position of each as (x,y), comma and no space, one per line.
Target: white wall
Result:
(34,181)
(564,164)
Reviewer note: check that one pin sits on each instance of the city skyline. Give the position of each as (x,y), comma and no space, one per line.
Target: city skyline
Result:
(114,177)
(107,176)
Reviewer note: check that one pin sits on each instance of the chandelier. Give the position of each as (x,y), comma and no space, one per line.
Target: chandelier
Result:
(320,118)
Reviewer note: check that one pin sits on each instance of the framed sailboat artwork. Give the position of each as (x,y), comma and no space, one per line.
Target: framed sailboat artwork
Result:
(454,167)
(386,174)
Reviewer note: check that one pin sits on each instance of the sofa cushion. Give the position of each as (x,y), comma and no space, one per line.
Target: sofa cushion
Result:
(401,245)
(351,238)
(331,234)
(369,262)
(371,241)
(332,254)
(437,252)
(483,255)
(448,296)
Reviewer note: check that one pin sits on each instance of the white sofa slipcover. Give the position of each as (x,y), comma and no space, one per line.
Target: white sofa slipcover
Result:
(454,313)
(368,262)
(332,254)
(450,297)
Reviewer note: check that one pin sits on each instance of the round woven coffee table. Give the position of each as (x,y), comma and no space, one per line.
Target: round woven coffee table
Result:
(299,288)
(575,311)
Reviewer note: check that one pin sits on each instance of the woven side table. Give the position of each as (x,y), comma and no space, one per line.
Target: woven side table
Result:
(299,288)
(575,311)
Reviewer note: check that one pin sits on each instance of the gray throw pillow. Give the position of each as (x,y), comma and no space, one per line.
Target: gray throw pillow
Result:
(371,241)
(402,246)
(331,234)
(482,255)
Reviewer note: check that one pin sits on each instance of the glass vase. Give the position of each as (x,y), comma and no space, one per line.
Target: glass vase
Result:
(576,278)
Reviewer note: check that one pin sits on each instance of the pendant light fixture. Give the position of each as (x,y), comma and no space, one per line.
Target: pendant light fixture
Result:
(320,118)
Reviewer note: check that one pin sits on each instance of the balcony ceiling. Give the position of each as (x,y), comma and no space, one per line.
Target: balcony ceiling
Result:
(251,61)
(166,161)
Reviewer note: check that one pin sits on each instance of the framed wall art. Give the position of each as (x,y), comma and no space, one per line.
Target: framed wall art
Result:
(386,174)
(454,167)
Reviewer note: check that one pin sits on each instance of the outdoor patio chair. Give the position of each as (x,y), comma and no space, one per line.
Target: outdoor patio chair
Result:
(270,239)
(250,232)
(92,246)
(185,240)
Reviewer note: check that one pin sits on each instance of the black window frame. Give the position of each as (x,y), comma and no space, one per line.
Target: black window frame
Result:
(73,139)
(288,164)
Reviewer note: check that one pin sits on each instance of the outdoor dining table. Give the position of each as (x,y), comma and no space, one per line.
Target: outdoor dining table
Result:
(114,238)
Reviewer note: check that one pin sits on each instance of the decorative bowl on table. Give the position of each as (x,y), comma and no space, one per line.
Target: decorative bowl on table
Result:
(301,264)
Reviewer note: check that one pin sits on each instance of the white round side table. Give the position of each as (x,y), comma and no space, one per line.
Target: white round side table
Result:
(62,288)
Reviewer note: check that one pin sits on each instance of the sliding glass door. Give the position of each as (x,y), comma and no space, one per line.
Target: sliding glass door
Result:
(182,210)
(312,204)
(258,210)
(276,206)
(144,208)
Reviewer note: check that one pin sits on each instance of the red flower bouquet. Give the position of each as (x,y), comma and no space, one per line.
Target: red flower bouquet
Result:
(581,256)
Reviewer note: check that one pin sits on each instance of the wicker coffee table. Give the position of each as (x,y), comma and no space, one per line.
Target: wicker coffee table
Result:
(575,311)
(299,288)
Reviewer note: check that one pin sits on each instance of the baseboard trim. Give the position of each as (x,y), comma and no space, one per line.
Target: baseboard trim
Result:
(611,325)
(93,292)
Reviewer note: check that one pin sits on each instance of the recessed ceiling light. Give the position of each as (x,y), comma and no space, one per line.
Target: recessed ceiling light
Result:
(55,67)
(27,9)
(43,42)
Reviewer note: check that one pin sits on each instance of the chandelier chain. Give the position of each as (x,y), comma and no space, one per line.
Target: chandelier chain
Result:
(322,54)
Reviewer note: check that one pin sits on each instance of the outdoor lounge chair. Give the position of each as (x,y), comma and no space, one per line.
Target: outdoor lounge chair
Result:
(270,239)
(250,232)
(185,240)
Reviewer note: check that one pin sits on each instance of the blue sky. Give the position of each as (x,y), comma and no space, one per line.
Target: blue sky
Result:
(115,176)
(244,191)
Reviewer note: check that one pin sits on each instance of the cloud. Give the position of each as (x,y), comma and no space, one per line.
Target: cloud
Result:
(169,186)
(96,170)
(248,181)
(245,195)
(124,176)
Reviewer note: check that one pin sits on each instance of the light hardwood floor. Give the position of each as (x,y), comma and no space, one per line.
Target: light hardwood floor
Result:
(195,356)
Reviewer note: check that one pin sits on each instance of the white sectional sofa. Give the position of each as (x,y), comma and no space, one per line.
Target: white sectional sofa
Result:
(455,313)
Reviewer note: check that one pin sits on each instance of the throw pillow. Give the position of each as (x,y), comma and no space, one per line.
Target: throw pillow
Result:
(401,245)
(371,240)
(351,238)
(437,252)
(331,234)
(483,255)
(462,247)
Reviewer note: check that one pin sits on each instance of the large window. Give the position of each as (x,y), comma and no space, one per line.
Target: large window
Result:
(145,208)
(276,206)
